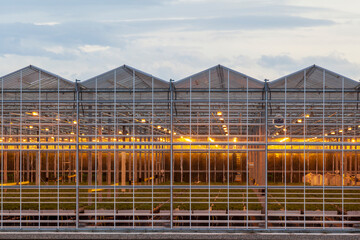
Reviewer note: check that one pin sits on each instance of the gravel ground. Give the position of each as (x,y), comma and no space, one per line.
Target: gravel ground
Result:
(175,235)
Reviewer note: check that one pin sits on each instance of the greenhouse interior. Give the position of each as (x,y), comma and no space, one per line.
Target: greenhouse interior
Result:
(214,150)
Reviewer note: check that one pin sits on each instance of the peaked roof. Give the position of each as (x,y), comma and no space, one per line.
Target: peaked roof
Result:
(314,79)
(220,77)
(32,77)
(123,76)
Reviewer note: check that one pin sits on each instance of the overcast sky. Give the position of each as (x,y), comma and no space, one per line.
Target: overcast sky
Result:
(78,39)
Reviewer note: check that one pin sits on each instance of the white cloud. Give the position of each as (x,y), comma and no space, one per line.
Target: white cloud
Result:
(46,23)
(93,48)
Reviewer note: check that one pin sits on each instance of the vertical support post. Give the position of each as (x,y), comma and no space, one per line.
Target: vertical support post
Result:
(77,154)
(171,153)
(266,152)
(123,170)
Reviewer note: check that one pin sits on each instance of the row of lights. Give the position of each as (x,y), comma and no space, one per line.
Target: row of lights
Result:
(222,120)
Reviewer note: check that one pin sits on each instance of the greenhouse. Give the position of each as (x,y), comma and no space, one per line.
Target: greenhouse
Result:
(126,150)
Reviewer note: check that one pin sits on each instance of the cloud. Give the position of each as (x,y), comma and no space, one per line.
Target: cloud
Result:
(93,48)
(46,23)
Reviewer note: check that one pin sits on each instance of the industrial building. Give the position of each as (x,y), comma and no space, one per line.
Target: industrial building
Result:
(216,150)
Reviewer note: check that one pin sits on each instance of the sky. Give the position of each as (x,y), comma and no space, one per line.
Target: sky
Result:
(172,39)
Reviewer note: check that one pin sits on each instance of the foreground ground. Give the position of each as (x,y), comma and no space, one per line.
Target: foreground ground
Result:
(177,235)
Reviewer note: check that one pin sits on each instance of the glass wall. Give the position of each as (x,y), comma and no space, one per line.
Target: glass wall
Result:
(215,150)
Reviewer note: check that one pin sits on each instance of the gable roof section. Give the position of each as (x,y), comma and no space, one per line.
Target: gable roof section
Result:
(32,77)
(314,79)
(124,76)
(220,78)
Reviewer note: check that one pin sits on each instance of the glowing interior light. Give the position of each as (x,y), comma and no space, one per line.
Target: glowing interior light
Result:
(211,140)
(72,133)
(299,120)
(143,120)
(326,134)
(340,131)
(307,115)
(219,113)
(57,119)
(31,127)
(165,129)
(227,134)
(120,132)
(349,128)
(284,140)
(158,127)
(353,140)
(74,122)
(333,133)
(235,140)
(174,133)
(221,119)
(284,129)
(276,133)
(46,129)
(35,114)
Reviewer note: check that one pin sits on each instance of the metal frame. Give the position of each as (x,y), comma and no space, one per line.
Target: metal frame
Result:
(213,158)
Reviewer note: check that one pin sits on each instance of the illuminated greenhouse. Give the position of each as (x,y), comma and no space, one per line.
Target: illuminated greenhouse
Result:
(216,150)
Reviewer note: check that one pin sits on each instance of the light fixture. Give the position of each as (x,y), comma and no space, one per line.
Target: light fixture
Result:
(299,120)
(284,129)
(333,133)
(340,131)
(46,129)
(158,127)
(349,128)
(353,140)
(143,120)
(221,119)
(276,133)
(307,115)
(219,113)
(235,140)
(120,132)
(35,114)
(31,127)
(72,133)
(326,134)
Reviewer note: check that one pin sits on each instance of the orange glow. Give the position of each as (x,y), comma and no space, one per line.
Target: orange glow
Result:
(219,113)
(35,114)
